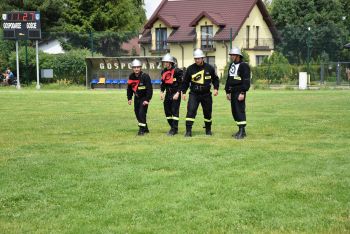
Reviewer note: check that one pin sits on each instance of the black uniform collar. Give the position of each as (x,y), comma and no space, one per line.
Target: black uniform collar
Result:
(200,66)
(137,77)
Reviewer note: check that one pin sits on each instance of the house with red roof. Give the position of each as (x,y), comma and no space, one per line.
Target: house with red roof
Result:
(181,26)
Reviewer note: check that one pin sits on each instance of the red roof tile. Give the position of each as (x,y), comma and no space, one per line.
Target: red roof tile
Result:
(146,36)
(131,44)
(214,17)
(184,14)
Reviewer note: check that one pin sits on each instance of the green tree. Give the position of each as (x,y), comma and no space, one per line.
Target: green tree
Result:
(267,4)
(6,47)
(328,31)
(108,23)
(76,23)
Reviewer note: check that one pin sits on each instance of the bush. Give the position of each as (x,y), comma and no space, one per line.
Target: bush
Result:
(69,66)
(27,74)
(276,69)
(261,84)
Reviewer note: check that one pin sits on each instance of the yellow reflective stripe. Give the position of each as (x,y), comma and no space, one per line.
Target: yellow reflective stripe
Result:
(142,125)
(169,117)
(189,119)
(175,118)
(207,77)
(198,77)
(241,122)
(207,120)
(237,78)
(142,87)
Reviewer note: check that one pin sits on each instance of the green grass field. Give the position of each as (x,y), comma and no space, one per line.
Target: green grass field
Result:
(70,162)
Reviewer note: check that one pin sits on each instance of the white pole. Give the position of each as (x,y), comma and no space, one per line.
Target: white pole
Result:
(37,65)
(18,86)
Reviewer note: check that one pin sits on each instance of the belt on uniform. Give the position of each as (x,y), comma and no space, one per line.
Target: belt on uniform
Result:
(171,90)
(200,89)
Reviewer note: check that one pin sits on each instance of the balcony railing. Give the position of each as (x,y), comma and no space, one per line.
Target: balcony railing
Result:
(208,46)
(161,48)
(259,44)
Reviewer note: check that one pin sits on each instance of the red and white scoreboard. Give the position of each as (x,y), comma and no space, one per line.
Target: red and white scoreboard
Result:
(21,25)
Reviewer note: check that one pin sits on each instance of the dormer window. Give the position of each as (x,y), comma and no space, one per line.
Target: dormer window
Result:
(207,37)
(161,39)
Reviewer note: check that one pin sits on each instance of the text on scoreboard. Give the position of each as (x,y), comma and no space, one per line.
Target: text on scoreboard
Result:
(21,25)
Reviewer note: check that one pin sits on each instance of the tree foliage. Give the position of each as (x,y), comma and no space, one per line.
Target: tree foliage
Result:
(107,23)
(329,31)
(6,47)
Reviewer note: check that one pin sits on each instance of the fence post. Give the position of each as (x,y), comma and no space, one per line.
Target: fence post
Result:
(322,73)
(268,73)
(338,73)
(91,43)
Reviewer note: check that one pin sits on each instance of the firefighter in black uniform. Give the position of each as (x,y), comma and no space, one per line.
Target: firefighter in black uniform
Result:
(171,83)
(139,84)
(237,85)
(199,76)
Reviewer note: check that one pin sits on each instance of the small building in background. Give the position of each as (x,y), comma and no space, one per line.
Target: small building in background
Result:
(131,47)
(52,46)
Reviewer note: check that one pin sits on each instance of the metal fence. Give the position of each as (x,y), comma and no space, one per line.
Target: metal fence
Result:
(337,73)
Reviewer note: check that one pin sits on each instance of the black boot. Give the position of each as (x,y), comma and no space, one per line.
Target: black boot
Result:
(146,129)
(174,129)
(241,133)
(235,134)
(207,127)
(141,131)
(208,132)
(172,132)
(188,132)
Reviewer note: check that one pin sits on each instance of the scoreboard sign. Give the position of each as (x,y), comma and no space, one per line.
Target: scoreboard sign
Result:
(21,25)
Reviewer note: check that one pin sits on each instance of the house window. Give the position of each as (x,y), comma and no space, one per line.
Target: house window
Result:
(210,60)
(247,36)
(161,39)
(257,36)
(260,59)
(207,37)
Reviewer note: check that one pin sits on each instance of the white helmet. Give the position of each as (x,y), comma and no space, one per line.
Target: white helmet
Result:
(168,58)
(235,50)
(136,63)
(198,53)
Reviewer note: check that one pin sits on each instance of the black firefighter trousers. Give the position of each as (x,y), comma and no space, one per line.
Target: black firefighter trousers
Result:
(193,102)
(141,112)
(171,109)
(238,109)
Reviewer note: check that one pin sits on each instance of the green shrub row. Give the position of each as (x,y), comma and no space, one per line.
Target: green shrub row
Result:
(68,67)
